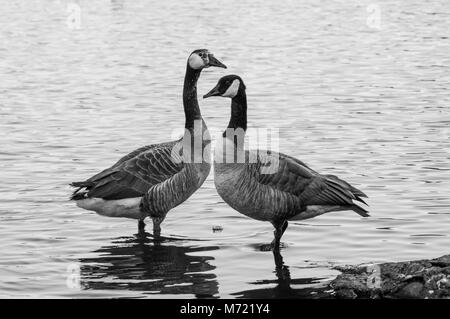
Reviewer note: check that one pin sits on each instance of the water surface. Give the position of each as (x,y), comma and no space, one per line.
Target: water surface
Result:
(366,102)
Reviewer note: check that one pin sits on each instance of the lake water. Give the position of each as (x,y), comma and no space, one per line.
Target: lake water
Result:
(359,89)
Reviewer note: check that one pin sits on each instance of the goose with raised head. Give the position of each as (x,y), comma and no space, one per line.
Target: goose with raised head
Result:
(270,186)
(153,179)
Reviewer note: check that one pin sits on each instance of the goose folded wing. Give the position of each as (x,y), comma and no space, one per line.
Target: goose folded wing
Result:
(134,176)
(127,157)
(295,178)
(291,176)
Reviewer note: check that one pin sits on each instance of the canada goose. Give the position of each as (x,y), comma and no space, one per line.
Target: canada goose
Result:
(155,178)
(291,191)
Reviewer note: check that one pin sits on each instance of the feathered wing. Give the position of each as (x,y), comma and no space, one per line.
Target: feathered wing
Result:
(132,175)
(311,188)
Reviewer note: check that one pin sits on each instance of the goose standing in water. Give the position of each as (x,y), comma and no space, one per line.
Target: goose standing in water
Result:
(155,178)
(291,191)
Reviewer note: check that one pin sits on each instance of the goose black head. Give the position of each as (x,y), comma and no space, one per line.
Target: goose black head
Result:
(228,86)
(202,58)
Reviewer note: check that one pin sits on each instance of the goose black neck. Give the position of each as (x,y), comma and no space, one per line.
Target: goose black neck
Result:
(238,112)
(190,102)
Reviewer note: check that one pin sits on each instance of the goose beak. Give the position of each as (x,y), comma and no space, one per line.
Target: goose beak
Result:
(214,62)
(213,92)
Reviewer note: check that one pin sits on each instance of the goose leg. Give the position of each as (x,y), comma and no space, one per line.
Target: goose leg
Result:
(157,227)
(278,260)
(141,225)
(280,228)
(285,226)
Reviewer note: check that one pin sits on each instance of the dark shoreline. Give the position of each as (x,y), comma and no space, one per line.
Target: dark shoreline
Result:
(419,279)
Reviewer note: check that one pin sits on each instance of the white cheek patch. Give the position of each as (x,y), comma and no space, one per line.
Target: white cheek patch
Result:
(196,62)
(233,89)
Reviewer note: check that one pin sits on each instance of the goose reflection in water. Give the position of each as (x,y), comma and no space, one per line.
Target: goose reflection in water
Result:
(312,287)
(142,264)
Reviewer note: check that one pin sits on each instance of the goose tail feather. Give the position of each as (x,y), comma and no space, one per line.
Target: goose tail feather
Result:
(78,193)
(360,211)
